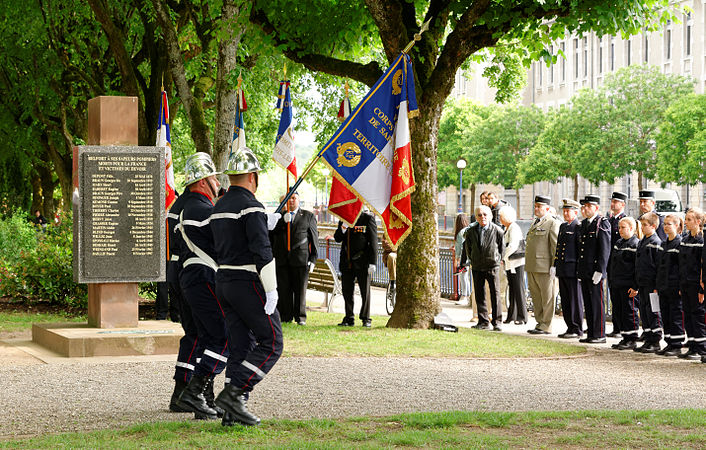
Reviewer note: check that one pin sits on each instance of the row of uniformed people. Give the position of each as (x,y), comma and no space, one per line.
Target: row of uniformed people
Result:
(222,258)
(635,268)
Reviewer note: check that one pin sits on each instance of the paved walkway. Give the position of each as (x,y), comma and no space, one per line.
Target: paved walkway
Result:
(64,394)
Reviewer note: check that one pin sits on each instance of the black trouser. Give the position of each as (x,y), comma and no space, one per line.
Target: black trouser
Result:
(694,318)
(492,276)
(651,321)
(627,318)
(593,305)
(517,308)
(190,349)
(571,304)
(672,316)
(291,289)
(348,277)
(255,339)
(209,318)
(615,308)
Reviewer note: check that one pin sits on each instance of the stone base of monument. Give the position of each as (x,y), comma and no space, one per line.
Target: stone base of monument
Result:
(149,337)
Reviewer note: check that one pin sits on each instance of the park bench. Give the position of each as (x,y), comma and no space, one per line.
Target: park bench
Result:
(325,279)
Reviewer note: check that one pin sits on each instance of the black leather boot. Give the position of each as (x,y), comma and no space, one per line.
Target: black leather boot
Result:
(210,397)
(192,398)
(234,401)
(179,387)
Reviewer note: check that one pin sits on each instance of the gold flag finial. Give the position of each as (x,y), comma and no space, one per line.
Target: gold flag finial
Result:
(285,71)
(346,88)
(240,79)
(417,36)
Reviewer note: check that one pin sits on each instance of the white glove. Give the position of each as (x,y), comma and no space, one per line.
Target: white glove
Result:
(311,266)
(288,217)
(344,227)
(597,277)
(271,303)
(272,219)
(371,269)
(552,271)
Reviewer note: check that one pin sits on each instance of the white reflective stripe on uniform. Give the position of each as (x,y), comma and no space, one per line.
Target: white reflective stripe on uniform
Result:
(227,380)
(172,216)
(628,249)
(666,336)
(174,258)
(701,339)
(215,355)
(254,369)
(680,336)
(200,253)
(196,260)
(695,244)
(198,360)
(654,330)
(673,250)
(654,246)
(690,339)
(185,365)
(246,267)
(236,216)
(268,276)
(630,332)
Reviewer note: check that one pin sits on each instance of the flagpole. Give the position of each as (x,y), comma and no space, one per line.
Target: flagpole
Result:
(417,37)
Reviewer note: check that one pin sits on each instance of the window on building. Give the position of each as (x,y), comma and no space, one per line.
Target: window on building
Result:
(646,49)
(563,61)
(687,34)
(668,44)
(550,80)
(576,59)
(612,54)
(539,73)
(628,51)
(585,57)
(600,55)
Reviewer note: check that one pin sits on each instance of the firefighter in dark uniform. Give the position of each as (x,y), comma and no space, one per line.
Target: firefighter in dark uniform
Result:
(189,349)
(359,246)
(246,283)
(594,251)
(647,204)
(670,300)
(198,282)
(622,276)
(565,267)
(645,283)
(617,212)
(295,244)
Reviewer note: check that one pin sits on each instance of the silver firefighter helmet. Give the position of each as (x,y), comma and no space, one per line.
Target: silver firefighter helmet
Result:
(198,166)
(242,161)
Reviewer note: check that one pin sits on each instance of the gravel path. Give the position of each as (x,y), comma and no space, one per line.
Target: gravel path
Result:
(49,398)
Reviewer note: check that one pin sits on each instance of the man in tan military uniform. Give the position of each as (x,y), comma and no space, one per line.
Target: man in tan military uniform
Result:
(539,264)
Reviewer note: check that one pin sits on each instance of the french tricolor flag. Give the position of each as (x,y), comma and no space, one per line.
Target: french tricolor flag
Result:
(164,140)
(371,155)
(284,146)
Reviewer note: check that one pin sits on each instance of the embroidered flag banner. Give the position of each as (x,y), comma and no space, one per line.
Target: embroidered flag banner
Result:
(371,156)
(284,147)
(164,140)
(239,125)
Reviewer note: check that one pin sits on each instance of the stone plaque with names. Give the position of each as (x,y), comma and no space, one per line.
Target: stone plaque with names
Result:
(121,216)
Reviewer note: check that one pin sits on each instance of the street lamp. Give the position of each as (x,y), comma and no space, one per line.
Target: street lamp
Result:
(461,164)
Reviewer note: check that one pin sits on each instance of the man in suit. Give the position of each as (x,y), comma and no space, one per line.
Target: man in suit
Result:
(565,266)
(359,246)
(647,204)
(295,243)
(539,264)
(483,247)
(617,212)
(594,251)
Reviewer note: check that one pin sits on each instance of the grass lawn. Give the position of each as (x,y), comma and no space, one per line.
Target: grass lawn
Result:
(13,321)
(322,337)
(583,429)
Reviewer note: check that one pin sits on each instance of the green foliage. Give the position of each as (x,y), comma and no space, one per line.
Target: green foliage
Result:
(17,235)
(43,271)
(681,142)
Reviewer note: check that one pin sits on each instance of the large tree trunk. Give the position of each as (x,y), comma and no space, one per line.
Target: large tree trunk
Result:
(47,185)
(576,187)
(418,262)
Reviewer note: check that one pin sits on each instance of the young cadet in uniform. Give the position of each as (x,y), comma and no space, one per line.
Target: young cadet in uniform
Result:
(295,244)
(617,212)
(668,287)
(689,273)
(594,251)
(622,276)
(246,284)
(189,350)
(358,256)
(645,282)
(197,280)
(647,204)
(565,266)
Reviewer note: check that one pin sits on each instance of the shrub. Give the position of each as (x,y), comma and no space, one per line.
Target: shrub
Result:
(17,235)
(45,271)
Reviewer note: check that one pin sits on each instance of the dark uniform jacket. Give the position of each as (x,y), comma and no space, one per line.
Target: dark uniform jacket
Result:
(483,255)
(196,255)
(668,264)
(622,262)
(359,243)
(567,253)
(646,261)
(690,259)
(241,239)
(175,241)
(594,247)
(614,233)
(303,239)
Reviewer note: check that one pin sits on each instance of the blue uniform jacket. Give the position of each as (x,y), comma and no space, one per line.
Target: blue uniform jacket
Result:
(175,241)
(622,262)
(594,247)
(690,259)
(646,261)
(196,255)
(668,264)
(567,253)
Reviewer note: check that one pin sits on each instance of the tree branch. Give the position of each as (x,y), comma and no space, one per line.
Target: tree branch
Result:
(388,16)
